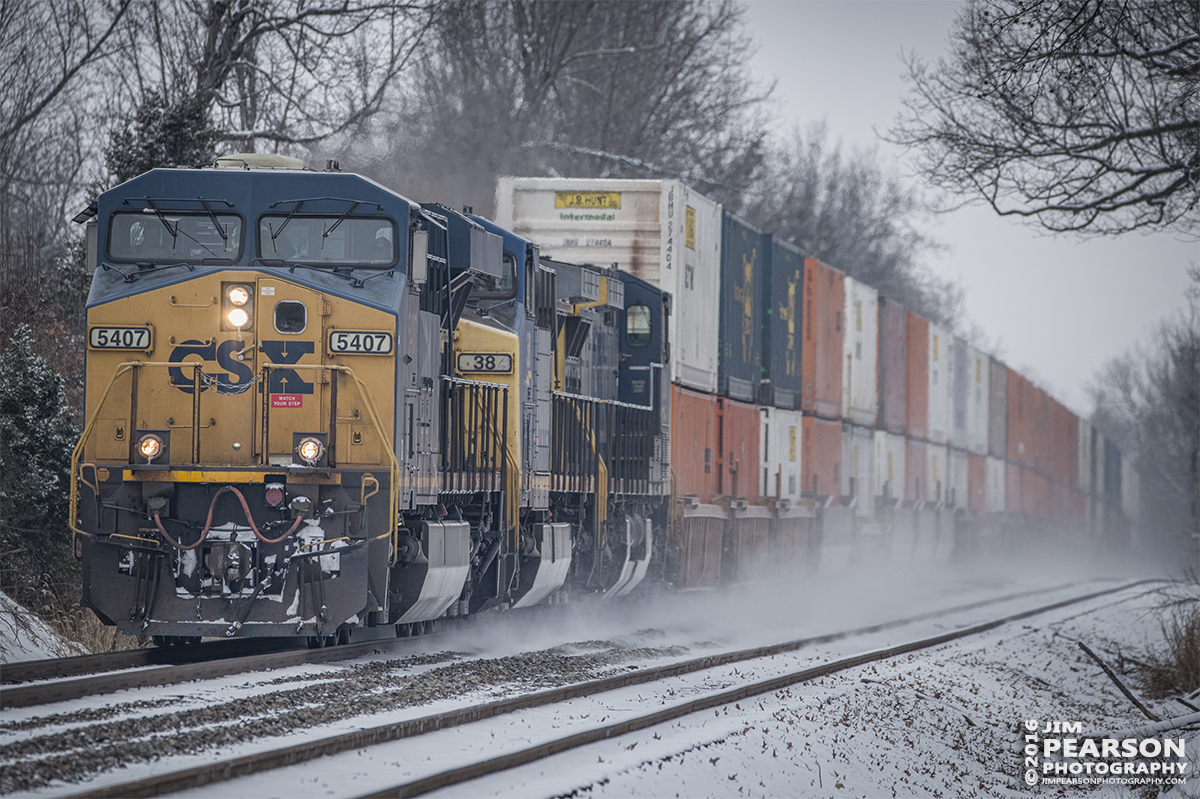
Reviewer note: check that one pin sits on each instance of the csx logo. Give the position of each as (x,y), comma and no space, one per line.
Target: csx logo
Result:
(238,374)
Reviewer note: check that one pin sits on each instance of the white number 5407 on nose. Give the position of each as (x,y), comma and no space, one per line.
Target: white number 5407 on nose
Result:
(360,341)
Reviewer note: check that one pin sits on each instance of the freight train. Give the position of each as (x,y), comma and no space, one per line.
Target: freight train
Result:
(314,406)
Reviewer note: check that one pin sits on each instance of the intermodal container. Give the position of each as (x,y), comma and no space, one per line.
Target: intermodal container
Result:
(1071,445)
(997,472)
(783,288)
(1083,475)
(890,456)
(915,466)
(959,478)
(1013,482)
(1112,474)
(1035,495)
(739,363)
(1040,433)
(1099,478)
(893,368)
(977,484)
(660,230)
(960,396)
(941,384)
(694,443)
(997,409)
(821,354)
(781,450)
(937,473)
(860,375)
(917,384)
(821,461)
(978,401)
(858,467)
(738,430)
(1019,445)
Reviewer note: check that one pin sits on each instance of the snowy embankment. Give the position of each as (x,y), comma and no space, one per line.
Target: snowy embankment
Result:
(24,636)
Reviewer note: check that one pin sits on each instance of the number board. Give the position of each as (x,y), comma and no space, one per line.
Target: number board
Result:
(484,362)
(120,338)
(360,342)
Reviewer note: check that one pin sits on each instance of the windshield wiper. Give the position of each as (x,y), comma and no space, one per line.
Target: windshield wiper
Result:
(143,266)
(341,270)
(339,221)
(216,222)
(275,233)
(174,231)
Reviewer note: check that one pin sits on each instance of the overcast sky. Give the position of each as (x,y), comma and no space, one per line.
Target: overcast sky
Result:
(1057,306)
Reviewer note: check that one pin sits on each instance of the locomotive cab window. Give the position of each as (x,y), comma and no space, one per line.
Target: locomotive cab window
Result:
(504,287)
(637,325)
(291,317)
(172,237)
(333,239)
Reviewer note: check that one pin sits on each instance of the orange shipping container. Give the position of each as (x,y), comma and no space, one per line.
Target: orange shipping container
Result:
(821,459)
(1040,430)
(917,357)
(738,461)
(821,353)
(977,484)
(694,444)
(1018,432)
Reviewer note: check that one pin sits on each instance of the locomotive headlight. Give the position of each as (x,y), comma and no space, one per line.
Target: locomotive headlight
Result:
(239,295)
(238,306)
(310,450)
(150,447)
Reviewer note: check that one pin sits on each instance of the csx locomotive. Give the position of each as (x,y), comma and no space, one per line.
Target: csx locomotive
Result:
(315,406)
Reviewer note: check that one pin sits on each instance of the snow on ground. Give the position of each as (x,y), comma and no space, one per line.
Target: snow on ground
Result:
(24,636)
(942,723)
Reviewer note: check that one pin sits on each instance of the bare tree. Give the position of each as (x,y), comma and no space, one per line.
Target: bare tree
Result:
(847,211)
(246,72)
(1147,400)
(644,89)
(1080,115)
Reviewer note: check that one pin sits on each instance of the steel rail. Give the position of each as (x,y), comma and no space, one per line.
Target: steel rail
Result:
(493,765)
(62,690)
(77,665)
(221,771)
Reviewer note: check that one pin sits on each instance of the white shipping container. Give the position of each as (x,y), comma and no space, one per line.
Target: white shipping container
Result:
(659,230)
(780,447)
(860,346)
(889,465)
(937,473)
(1085,459)
(995,485)
(941,384)
(959,494)
(858,468)
(978,400)
(960,386)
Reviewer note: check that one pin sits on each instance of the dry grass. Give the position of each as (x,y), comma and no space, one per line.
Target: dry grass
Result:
(1175,670)
(81,628)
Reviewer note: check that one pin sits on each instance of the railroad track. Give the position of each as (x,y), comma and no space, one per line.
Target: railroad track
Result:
(216,772)
(199,662)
